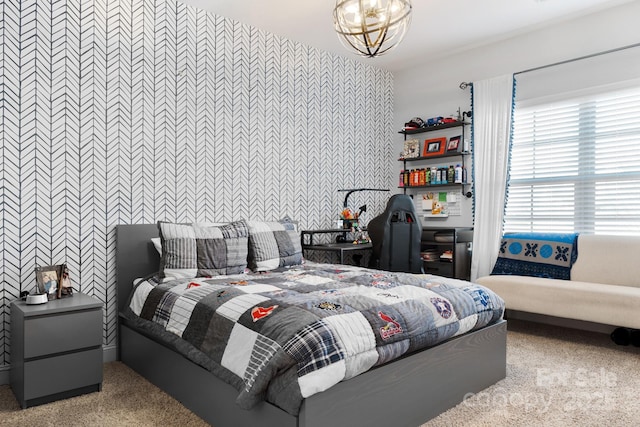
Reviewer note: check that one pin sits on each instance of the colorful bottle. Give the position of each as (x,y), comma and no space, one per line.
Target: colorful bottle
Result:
(416,178)
(401,179)
(458,174)
(450,174)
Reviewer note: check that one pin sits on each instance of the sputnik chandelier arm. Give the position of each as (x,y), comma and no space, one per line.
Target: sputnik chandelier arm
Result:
(371,27)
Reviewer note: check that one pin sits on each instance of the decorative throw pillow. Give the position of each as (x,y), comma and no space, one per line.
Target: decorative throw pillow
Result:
(273,244)
(192,250)
(549,255)
(157,243)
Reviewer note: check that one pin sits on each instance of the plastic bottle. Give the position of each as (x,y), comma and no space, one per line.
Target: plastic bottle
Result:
(427,176)
(458,174)
(401,179)
(434,175)
(450,174)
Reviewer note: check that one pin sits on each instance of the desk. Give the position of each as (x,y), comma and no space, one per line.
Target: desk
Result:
(341,248)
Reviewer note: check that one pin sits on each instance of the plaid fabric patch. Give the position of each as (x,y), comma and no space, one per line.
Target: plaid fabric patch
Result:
(273,244)
(163,310)
(178,250)
(194,250)
(313,348)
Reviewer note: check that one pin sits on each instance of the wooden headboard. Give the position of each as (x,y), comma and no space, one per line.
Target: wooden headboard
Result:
(135,256)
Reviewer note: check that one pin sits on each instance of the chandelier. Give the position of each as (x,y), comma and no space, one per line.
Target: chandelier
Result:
(372,27)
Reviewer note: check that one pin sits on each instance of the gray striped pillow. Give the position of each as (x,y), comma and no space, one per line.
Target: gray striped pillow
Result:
(273,244)
(193,250)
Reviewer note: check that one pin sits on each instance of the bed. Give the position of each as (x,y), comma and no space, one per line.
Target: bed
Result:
(407,391)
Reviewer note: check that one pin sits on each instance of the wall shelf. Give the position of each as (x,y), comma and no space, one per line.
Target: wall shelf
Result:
(452,154)
(433,160)
(434,128)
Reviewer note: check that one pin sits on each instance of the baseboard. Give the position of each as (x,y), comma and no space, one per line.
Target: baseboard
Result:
(4,374)
(559,321)
(109,354)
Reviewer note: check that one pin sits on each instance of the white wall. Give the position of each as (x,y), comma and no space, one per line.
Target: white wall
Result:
(126,112)
(432,87)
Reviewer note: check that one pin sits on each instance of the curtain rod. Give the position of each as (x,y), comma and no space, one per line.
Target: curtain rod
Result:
(465,85)
(578,59)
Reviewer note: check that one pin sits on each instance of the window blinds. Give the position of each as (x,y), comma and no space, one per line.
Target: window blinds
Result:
(575,163)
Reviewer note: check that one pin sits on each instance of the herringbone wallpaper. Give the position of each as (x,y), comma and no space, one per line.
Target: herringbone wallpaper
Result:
(134,111)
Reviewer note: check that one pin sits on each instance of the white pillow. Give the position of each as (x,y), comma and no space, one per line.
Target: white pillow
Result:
(157,243)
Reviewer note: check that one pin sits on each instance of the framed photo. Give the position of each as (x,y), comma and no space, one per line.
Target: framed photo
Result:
(434,147)
(454,143)
(411,149)
(65,289)
(48,280)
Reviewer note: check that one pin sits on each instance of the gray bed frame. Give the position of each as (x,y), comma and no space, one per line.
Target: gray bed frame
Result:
(407,392)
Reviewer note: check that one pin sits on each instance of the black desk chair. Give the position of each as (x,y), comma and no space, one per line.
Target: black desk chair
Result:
(395,236)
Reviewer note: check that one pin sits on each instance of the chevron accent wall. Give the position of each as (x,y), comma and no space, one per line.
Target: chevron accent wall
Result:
(133,111)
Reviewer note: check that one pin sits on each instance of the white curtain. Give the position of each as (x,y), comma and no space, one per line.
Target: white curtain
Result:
(492,114)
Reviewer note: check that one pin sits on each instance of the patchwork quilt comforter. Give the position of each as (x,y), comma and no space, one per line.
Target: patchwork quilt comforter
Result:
(286,335)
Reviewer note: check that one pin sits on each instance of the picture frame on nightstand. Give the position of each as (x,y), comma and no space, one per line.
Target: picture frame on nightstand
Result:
(47,280)
(65,288)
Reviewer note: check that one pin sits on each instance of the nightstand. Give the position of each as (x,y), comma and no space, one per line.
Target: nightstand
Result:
(56,349)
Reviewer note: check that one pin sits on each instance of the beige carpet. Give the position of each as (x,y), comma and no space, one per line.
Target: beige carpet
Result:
(126,399)
(555,377)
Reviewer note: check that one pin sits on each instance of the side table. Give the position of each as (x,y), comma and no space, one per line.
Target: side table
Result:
(56,349)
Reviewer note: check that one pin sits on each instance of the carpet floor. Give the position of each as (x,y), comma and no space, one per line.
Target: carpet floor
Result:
(555,377)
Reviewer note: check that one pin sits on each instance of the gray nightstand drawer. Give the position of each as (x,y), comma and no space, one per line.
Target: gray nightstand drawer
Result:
(43,377)
(64,332)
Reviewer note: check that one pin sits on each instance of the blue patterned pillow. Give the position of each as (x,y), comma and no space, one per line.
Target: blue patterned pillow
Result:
(549,255)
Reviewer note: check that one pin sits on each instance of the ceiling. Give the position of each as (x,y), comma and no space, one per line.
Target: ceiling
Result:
(438,28)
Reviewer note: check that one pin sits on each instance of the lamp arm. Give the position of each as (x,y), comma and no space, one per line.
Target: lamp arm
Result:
(353,190)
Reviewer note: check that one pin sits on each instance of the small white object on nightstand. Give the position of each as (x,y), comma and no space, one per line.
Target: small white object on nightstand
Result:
(37,299)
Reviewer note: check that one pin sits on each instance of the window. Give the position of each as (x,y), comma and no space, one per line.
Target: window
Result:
(575,165)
